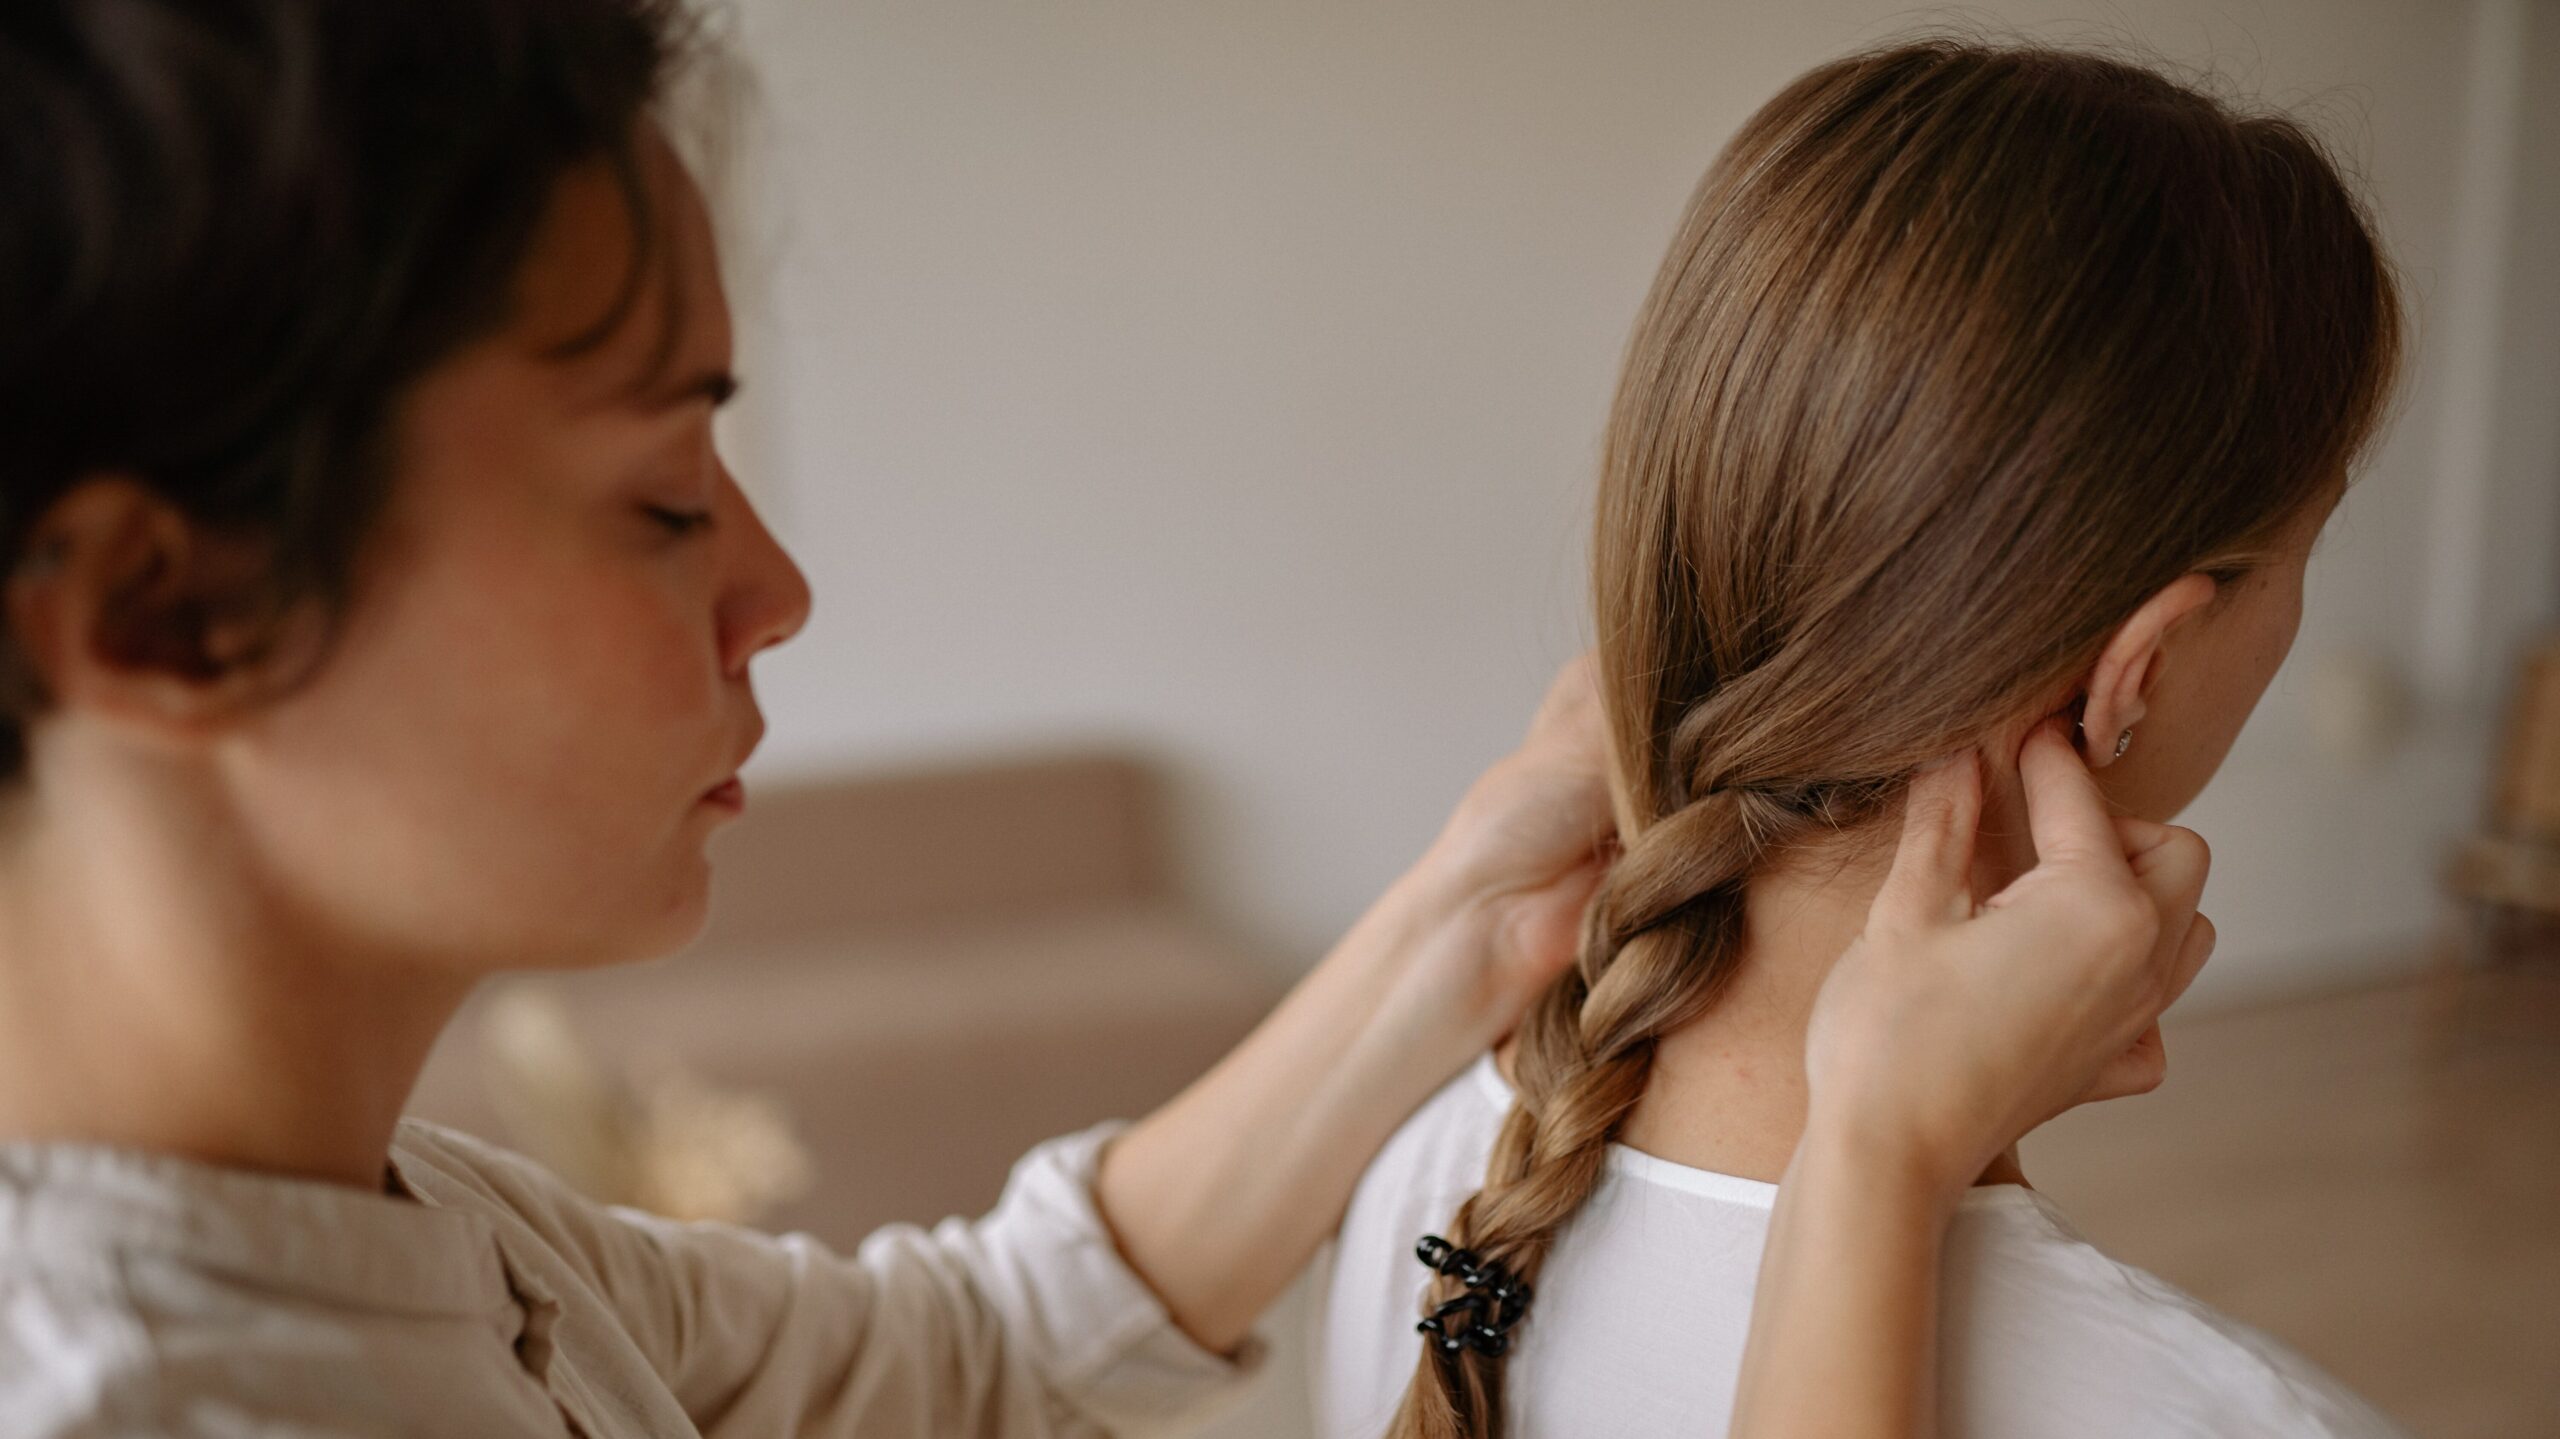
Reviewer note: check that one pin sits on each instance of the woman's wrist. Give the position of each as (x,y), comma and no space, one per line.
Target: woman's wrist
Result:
(1891,1154)
(1449,972)
(1218,1198)
(1844,1317)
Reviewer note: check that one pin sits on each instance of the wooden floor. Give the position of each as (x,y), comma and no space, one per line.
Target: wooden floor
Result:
(2373,1177)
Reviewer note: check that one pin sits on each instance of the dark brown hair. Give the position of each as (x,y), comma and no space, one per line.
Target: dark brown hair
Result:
(237,230)
(1962,352)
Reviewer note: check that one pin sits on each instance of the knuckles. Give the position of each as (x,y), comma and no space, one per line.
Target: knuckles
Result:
(2188,859)
(2123,922)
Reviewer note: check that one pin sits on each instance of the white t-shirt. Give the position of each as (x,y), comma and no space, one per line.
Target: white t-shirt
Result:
(1641,1311)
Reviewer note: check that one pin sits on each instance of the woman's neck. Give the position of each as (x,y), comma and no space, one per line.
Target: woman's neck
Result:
(1727,1091)
(153,996)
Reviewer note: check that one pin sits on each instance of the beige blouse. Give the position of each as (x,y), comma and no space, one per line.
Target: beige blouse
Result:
(142,1294)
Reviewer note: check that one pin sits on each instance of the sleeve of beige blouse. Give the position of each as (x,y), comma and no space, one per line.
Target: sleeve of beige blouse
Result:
(1025,1323)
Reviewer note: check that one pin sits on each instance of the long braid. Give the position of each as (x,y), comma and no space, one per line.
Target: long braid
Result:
(1658,943)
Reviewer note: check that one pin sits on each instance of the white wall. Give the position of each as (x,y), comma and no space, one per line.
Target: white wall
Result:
(1224,379)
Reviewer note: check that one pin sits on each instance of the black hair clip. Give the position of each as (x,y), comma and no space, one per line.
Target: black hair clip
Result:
(1481,1318)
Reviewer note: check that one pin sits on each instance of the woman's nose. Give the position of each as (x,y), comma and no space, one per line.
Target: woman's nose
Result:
(766,600)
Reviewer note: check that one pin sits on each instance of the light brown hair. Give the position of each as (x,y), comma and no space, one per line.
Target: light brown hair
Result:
(1962,351)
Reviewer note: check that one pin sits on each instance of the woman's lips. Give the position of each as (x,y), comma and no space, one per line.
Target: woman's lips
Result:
(729,794)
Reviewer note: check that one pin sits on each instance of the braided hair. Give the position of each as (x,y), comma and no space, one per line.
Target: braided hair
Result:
(1961,352)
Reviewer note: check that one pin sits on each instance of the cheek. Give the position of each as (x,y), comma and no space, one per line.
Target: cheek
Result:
(2270,639)
(2197,720)
(601,716)
(567,672)
(503,756)
(612,667)
(618,727)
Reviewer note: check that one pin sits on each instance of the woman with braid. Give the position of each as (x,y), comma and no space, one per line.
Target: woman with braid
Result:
(1989,401)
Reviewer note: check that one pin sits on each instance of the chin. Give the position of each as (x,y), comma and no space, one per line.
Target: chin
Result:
(669,919)
(687,908)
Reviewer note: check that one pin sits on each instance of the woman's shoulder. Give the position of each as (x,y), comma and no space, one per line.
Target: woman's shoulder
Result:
(1417,1179)
(2103,1337)
(1441,1147)
(151,1293)
(431,1156)
(1368,1287)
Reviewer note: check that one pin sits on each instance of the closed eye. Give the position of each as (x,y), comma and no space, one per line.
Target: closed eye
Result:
(679,522)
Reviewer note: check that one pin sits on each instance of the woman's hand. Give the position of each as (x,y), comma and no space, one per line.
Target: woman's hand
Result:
(1950,1029)
(1523,851)
(1946,1032)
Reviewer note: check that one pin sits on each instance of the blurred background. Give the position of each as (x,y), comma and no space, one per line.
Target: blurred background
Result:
(1186,414)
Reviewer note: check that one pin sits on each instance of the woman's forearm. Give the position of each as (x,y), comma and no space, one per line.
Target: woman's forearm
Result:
(1219,1198)
(1844,1320)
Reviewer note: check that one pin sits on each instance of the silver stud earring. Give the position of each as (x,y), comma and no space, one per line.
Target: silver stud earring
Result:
(2080,732)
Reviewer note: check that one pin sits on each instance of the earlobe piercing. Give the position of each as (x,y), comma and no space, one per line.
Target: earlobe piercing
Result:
(2124,741)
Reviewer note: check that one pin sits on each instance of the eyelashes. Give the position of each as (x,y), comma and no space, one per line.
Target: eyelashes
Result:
(679,522)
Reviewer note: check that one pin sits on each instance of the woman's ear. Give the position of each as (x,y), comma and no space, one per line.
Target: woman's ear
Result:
(2120,683)
(123,607)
